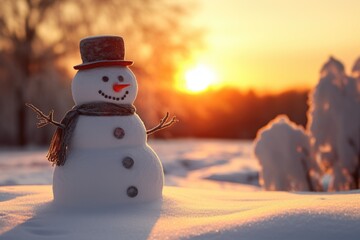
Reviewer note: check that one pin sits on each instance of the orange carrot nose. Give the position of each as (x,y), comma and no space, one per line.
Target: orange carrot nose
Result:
(119,87)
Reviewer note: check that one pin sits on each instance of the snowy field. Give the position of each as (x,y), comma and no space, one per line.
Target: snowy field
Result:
(212,193)
(190,163)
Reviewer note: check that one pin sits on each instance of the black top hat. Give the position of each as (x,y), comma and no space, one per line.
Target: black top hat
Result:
(101,51)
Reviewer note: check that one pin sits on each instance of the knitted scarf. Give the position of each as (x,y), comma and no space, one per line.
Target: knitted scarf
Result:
(60,143)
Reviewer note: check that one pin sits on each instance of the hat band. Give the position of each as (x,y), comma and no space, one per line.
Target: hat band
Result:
(107,63)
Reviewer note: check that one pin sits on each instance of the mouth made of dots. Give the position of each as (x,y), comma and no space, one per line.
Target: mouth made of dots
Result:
(112,97)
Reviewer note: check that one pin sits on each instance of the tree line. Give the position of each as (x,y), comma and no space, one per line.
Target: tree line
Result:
(230,113)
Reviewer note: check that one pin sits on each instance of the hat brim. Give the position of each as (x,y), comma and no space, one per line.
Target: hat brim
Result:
(106,63)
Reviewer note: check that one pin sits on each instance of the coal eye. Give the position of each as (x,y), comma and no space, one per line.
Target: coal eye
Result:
(121,78)
(105,78)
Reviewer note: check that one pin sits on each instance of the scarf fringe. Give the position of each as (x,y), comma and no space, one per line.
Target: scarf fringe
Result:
(57,150)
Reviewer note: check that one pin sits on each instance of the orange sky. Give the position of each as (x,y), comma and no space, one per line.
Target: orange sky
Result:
(274,45)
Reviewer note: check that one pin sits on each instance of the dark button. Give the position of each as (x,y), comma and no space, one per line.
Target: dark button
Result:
(127,162)
(132,191)
(119,133)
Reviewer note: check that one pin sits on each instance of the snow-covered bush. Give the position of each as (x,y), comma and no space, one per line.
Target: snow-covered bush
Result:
(283,151)
(356,69)
(334,124)
(286,152)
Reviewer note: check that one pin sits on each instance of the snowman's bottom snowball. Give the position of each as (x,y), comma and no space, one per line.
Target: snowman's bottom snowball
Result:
(102,177)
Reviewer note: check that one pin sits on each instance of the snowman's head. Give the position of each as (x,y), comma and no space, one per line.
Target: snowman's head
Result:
(115,84)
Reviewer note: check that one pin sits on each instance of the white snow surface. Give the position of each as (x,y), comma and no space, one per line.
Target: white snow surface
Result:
(209,198)
(186,162)
(27,212)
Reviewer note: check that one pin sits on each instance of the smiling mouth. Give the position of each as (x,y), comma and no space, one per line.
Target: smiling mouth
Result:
(112,97)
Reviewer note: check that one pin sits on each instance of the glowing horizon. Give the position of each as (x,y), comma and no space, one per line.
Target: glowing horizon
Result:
(274,46)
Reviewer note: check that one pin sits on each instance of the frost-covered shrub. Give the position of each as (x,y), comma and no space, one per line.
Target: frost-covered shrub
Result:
(283,148)
(356,69)
(334,124)
(283,151)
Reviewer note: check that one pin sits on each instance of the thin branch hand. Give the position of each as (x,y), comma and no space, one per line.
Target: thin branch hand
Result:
(43,118)
(163,124)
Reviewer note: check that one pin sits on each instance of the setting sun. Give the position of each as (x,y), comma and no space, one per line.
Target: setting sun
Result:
(199,79)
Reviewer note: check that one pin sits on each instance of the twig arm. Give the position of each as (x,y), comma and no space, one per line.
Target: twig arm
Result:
(43,118)
(163,124)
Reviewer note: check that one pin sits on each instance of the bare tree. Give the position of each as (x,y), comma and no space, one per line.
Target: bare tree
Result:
(38,35)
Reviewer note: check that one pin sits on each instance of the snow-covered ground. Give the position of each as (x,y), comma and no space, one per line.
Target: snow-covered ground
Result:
(27,212)
(186,162)
(212,193)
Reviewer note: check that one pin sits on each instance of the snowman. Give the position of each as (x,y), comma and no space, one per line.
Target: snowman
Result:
(100,147)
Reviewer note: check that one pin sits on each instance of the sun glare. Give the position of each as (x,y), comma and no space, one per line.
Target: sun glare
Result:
(199,79)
